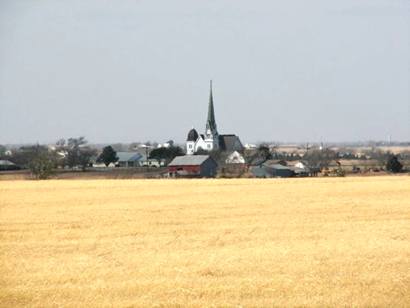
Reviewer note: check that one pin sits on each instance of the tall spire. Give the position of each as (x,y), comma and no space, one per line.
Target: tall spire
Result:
(211,123)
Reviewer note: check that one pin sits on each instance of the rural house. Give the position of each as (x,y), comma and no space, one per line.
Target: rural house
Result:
(192,166)
(129,159)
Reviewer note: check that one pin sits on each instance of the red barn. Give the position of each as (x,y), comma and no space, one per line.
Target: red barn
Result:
(193,166)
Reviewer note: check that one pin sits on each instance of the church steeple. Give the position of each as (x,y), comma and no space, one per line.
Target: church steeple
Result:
(211,123)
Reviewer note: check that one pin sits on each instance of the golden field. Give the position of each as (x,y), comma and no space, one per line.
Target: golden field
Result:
(245,242)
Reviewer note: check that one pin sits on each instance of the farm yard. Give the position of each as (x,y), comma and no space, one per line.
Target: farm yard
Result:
(249,242)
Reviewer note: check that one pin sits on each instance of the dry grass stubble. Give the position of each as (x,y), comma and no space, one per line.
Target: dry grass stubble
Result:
(299,242)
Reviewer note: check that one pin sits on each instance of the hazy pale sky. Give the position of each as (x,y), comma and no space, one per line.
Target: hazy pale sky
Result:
(137,70)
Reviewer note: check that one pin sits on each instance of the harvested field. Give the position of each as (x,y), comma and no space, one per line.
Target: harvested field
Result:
(294,242)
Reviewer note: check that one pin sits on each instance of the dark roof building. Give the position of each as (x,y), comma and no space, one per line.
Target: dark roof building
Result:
(8,165)
(192,135)
(280,171)
(230,143)
(192,166)
(272,171)
(260,172)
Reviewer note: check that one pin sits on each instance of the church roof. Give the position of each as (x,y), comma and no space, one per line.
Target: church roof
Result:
(230,143)
(192,135)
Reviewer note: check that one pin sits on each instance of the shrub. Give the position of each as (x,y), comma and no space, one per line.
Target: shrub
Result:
(42,166)
(393,164)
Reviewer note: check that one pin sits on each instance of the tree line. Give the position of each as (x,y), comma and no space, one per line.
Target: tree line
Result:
(76,153)
(73,153)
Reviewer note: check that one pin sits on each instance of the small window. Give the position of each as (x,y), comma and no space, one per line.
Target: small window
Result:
(209,146)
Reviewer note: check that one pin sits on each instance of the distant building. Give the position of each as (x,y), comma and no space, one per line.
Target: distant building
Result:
(192,166)
(8,153)
(235,158)
(152,162)
(300,164)
(6,165)
(230,143)
(250,146)
(167,144)
(272,171)
(129,159)
(281,171)
(302,169)
(260,172)
(211,139)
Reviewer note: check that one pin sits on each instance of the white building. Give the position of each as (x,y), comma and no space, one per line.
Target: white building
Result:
(211,140)
(235,158)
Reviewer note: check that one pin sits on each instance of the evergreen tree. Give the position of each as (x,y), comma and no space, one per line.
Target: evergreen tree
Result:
(108,156)
(393,164)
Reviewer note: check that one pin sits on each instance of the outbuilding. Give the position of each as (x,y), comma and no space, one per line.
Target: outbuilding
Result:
(192,166)
(129,159)
(6,165)
(272,171)
(280,171)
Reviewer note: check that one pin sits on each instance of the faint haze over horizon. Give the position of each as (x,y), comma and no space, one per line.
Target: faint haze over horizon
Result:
(138,70)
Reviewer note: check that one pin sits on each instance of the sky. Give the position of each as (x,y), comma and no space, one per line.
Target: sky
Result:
(138,70)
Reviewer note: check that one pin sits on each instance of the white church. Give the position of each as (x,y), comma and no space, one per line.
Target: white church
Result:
(211,139)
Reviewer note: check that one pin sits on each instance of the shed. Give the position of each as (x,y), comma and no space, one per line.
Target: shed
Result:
(8,165)
(281,171)
(271,171)
(192,166)
(260,172)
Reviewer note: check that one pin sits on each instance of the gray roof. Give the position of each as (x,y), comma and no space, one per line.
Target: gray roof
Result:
(188,160)
(279,167)
(272,162)
(274,170)
(260,172)
(230,143)
(6,163)
(128,156)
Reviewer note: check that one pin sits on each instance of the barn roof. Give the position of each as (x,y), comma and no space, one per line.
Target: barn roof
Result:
(189,160)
